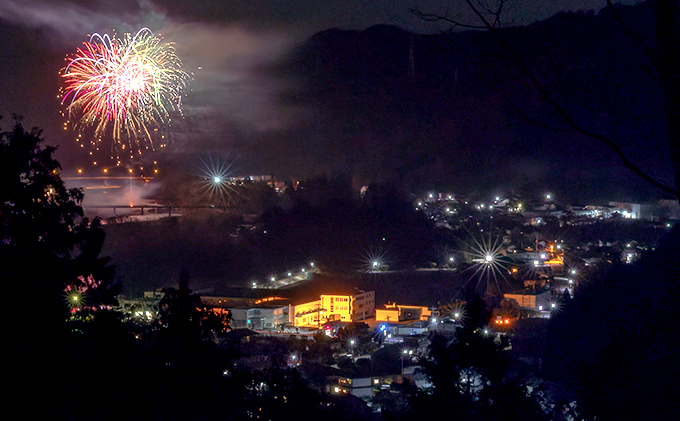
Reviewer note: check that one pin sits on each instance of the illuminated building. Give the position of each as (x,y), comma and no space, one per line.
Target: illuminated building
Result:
(401,313)
(361,387)
(343,308)
(533,299)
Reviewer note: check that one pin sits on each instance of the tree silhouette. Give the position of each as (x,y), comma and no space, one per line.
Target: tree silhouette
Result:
(613,343)
(470,377)
(47,249)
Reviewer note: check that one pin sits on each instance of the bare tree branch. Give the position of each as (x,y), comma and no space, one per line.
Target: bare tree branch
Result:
(571,124)
(531,119)
(431,17)
(498,13)
(649,52)
(563,113)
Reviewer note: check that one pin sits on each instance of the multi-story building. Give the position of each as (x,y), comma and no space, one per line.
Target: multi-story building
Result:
(328,308)
(260,318)
(239,318)
(363,305)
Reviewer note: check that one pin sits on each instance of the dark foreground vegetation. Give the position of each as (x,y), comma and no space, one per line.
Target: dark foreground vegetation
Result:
(610,354)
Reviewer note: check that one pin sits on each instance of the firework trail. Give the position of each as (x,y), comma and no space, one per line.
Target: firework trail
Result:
(124,88)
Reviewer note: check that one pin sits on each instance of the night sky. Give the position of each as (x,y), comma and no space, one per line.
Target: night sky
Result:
(239,106)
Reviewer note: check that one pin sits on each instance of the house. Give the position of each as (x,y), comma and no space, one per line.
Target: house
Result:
(415,328)
(260,318)
(361,387)
(532,299)
(401,313)
(239,317)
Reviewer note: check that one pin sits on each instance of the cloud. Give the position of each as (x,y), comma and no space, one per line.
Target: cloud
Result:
(66,19)
(230,96)
(227,45)
(230,82)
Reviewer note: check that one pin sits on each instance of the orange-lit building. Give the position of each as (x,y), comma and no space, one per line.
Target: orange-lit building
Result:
(401,313)
(328,308)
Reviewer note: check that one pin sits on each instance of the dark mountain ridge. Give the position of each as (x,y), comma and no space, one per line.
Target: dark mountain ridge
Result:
(432,111)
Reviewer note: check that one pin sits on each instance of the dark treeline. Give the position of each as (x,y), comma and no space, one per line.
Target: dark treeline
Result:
(611,353)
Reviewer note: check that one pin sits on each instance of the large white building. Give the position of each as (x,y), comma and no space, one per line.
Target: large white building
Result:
(265,314)
(328,308)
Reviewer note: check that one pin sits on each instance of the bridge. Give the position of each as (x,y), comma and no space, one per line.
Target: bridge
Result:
(165,208)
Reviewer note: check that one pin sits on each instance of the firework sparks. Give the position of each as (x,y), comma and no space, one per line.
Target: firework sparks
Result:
(124,88)
(75,294)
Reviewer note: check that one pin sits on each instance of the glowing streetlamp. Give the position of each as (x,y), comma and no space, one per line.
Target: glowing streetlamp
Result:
(404,353)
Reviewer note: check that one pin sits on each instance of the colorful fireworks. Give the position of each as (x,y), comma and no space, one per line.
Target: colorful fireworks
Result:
(125,89)
(76,294)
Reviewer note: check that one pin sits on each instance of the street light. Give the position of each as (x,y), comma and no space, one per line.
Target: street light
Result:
(404,353)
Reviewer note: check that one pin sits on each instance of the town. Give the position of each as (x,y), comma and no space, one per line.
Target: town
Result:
(527,265)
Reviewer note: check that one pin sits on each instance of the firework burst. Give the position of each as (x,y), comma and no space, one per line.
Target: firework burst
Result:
(76,293)
(124,88)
